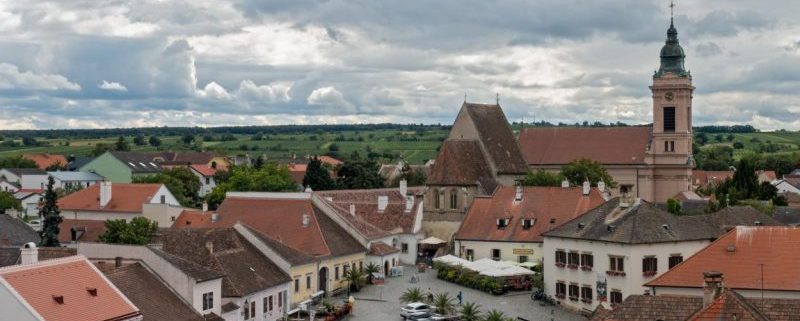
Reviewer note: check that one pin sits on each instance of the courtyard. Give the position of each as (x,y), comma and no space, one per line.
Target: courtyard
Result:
(381,302)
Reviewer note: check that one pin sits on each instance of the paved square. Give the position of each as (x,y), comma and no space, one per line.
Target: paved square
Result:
(382,302)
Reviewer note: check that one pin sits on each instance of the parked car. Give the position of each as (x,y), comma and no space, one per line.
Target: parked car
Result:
(415,310)
(439,317)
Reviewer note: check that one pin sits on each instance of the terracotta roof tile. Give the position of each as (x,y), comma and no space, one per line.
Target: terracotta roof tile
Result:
(729,306)
(461,162)
(368,220)
(542,204)
(188,158)
(43,161)
(329,160)
(381,249)
(205,170)
(125,197)
(773,246)
(607,145)
(497,138)
(192,218)
(155,300)
(70,277)
(87,230)
(650,308)
(289,254)
(706,178)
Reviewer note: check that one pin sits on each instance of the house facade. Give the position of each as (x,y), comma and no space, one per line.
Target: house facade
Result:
(109,201)
(72,181)
(25,178)
(610,252)
(122,167)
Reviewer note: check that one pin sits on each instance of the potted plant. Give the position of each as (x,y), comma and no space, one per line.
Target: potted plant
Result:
(560,264)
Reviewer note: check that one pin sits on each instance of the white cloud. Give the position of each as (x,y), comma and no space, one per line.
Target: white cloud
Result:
(331,97)
(275,92)
(12,78)
(113,86)
(214,90)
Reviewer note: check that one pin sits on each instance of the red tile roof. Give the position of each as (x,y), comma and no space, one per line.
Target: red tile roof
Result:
(205,170)
(705,178)
(87,230)
(70,278)
(462,163)
(729,306)
(43,161)
(191,218)
(381,249)
(540,203)
(125,197)
(767,175)
(739,255)
(297,172)
(329,160)
(607,145)
(368,220)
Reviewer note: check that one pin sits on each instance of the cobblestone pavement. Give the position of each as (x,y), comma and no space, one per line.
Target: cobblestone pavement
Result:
(378,303)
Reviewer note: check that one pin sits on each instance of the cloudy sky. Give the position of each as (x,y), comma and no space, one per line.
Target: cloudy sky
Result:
(99,63)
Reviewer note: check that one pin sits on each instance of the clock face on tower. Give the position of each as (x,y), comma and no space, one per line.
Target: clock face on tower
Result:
(669,96)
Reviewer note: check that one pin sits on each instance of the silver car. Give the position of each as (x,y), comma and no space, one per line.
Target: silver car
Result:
(415,309)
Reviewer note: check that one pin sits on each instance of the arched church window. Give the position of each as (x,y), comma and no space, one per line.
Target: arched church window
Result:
(453,199)
(436,199)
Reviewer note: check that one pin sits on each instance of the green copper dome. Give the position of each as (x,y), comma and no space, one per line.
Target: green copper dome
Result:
(672,55)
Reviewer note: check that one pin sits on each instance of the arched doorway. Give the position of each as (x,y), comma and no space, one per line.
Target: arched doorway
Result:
(323,280)
(386,268)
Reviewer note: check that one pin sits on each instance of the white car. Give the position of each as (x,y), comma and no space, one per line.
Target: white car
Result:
(415,309)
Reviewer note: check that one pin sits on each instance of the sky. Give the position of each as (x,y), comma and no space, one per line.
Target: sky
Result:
(118,63)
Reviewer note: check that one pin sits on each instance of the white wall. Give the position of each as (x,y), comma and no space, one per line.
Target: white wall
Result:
(34,181)
(785,187)
(11,177)
(168,197)
(31,205)
(8,187)
(214,286)
(163,214)
(205,188)
(631,283)
(484,250)
(258,297)
(13,307)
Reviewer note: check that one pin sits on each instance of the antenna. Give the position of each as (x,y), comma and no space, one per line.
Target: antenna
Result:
(465,95)
(498,97)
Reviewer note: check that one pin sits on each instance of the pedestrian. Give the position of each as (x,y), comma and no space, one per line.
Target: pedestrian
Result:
(460,297)
(430,295)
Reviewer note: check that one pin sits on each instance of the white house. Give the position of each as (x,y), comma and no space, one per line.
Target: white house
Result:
(71,181)
(785,186)
(611,251)
(8,186)
(26,178)
(205,174)
(108,201)
(29,200)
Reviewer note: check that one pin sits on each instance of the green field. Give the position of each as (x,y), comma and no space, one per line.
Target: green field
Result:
(763,143)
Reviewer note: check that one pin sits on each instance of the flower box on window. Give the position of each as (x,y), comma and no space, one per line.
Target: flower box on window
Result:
(573,298)
(560,264)
(572,266)
(586,300)
(586,267)
(649,273)
(615,273)
(561,295)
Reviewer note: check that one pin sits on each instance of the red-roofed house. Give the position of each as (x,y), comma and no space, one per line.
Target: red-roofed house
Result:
(107,201)
(205,174)
(507,226)
(65,289)
(44,161)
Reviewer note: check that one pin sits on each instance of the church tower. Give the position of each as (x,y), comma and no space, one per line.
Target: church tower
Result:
(671,144)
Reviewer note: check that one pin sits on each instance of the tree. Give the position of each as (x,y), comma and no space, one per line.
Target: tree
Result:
(29,141)
(358,173)
(745,179)
(8,201)
(180,181)
(412,295)
(580,170)
(317,176)
(121,145)
(17,162)
(673,206)
(729,137)
(356,279)
(138,231)
(258,136)
(139,140)
(495,315)
(738,145)
(57,166)
(52,216)
(187,139)
(443,303)
(701,138)
(413,177)
(100,148)
(333,147)
(542,178)
(470,312)
(268,178)
(154,141)
(371,268)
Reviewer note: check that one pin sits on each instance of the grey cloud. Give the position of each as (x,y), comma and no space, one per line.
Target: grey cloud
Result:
(708,49)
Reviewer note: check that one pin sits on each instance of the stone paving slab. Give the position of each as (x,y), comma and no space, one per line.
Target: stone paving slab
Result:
(382,302)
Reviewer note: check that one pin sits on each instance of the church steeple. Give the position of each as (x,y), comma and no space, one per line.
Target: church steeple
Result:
(672,55)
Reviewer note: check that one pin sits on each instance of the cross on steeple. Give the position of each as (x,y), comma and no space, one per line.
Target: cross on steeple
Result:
(671,10)
(498,97)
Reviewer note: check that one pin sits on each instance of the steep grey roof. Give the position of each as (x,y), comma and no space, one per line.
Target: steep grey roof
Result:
(78,162)
(9,255)
(138,162)
(643,222)
(497,138)
(788,215)
(17,232)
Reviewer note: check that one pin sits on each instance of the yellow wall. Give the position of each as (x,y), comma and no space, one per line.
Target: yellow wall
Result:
(221,161)
(334,284)
(301,272)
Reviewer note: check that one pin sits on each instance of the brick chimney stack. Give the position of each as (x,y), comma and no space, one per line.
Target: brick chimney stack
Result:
(712,286)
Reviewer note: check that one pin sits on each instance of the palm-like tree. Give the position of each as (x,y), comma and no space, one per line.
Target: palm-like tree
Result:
(412,295)
(355,278)
(495,315)
(443,303)
(470,312)
(371,268)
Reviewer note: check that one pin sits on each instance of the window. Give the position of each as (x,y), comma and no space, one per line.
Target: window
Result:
(587,261)
(573,259)
(404,247)
(561,257)
(163,199)
(268,304)
(453,199)
(308,281)
(502,223)
(252,309)
(669,146)
(249,310)
(336,272)
(297,284)
(523,259)
(208,180)
(586,293)
(616,263)
(573,291)
(561,289)
(436,199)
(470,254)
(208,301)
(650,266)
(280,300)
(674,260)
(669,119)
(361,266)
(616,296)
(496,254)
(527,224)
(345,267)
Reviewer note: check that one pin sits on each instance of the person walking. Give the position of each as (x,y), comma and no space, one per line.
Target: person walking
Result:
(430,295)
(460,297)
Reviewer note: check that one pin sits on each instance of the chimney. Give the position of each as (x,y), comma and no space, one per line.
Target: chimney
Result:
(205,207)
(308,189)
(409,203)
(29,253)
(5,241)
(383,201)
(306,220)
(565,183)
(403,187)
(105,193)
(601,186)
(353,209)
(118,261)
(518,195)
(586,188)
(712,286)
(214,217)
(210,247)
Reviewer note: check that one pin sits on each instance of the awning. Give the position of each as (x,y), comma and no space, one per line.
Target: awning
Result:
(528,264)
(432,241)
(451,260)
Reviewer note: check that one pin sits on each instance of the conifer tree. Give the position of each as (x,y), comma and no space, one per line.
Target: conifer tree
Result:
(317,176)
(51,214)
